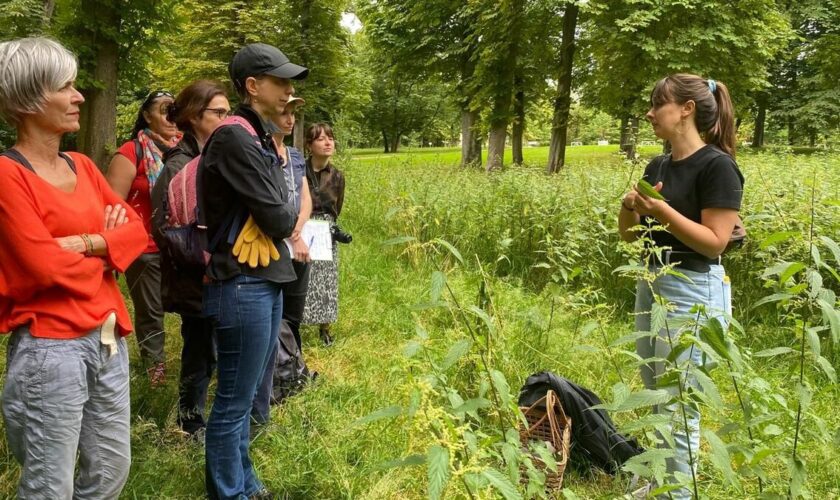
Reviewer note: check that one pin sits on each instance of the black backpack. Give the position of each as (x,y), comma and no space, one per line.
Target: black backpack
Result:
(595,440)
(291,374)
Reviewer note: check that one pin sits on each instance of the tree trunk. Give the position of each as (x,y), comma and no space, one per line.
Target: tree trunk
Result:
(758,132)
(395,143)
(791,132)
(518,129)
(49,8)
(470,140)
(496,146)
(385,142)
(563,101)
(98,118)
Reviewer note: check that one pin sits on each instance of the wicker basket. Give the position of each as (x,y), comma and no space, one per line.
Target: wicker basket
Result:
(547,422)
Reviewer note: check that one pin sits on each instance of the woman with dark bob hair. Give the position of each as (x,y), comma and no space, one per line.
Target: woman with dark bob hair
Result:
(133,172)
(326,183)
(701,189)
(63,231)
(197,110)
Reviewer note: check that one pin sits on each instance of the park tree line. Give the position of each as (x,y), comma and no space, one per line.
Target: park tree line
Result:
(499,73)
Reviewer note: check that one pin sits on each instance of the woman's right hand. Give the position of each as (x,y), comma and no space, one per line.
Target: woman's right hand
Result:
(114,216)
(301,250)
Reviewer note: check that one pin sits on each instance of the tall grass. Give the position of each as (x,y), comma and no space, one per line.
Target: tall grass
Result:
(561,316)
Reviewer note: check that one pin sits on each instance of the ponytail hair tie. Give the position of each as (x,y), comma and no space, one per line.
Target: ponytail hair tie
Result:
(712,85)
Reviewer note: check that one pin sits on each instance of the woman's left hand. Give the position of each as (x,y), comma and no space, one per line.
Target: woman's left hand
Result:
(645,205)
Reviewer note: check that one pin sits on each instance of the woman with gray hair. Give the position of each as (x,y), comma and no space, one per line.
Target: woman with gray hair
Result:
(64,230)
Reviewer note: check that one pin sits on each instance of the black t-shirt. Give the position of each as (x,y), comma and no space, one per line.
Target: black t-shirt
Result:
(709,178)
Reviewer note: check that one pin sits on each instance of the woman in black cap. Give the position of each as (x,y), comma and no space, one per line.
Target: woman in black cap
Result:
(132,174)
(248,210)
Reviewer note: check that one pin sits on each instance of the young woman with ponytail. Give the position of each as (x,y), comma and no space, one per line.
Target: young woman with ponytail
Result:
(702,189)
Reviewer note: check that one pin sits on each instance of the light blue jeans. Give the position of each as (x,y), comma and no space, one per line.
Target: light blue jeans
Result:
(64,397)
(709,290)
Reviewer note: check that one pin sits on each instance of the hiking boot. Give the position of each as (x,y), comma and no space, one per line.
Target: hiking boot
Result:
(157,374)
(326,338)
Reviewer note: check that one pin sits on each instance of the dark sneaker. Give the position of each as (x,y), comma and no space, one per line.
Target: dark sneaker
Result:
(262,494)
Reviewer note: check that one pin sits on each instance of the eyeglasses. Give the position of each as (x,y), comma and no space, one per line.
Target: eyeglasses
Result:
(222,113)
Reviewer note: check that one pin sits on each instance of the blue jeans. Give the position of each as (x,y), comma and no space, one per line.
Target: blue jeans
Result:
(710,290)
(245,313)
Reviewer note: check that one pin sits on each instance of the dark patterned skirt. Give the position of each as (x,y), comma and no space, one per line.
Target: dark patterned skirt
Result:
(322,294)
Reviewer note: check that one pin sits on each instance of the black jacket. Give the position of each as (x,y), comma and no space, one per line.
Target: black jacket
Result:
(595,440)
(180,290)
(238,177)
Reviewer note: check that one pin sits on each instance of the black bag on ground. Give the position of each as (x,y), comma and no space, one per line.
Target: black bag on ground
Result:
(595,439)
(290,372)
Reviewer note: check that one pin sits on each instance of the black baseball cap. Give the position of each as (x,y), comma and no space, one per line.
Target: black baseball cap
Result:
(261,59)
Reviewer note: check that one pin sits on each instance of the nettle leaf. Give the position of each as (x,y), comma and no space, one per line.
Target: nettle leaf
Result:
(646,422)
(776,297)
(438,282)
(833,318)
(790,271)
(826,367)
(778,268)
(412,348)
(777,238)
(832,246)
(630,338)
(588,328)
(658,317)
(713,334)
(384,413)
(813,341)
(437,471)
(456,351)
(815,281)
(720,457)
(641,399)
(471,405)
(803,395)
(815,256)
(421,332)
(485,318)
(501,483)
(709,387)
(798,476)
(501,385)
(454,251)
(775,351)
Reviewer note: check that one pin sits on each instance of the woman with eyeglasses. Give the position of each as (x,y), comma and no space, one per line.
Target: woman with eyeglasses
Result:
(132,174)
(197,110)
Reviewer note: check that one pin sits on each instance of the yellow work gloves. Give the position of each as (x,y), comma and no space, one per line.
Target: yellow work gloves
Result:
(254,247)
